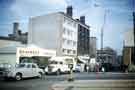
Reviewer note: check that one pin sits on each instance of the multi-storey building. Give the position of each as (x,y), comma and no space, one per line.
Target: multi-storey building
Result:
(93,46)
(107,55)
(107,58)
(56,31)
(83,38)
(128,49)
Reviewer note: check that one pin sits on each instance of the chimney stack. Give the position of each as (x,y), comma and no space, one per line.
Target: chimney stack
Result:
(82,19)
(69,11)
(15,28)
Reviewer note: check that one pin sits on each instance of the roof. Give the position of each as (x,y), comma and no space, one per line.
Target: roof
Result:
(74,19)
(10,48)
(7,38)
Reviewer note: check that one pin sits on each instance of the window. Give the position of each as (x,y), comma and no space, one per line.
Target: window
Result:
(28,66)
(74,43)
(68,42)
(71,33)
(74,25)
(68,51)
(21,65)
(64,50)
(68,32)
(74,52)
(33,66)
(64,30)
(53,62)
(61,62)
(64,40)
(65,19)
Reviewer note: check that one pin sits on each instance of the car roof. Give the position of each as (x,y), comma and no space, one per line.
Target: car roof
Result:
(28,63)
(60,58)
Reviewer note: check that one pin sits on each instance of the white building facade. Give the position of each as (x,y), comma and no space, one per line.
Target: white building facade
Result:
(56,31)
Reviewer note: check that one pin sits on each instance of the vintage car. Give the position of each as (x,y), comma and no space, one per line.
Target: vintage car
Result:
(22,70)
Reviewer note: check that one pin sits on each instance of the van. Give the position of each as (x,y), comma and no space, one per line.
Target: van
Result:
(60,65)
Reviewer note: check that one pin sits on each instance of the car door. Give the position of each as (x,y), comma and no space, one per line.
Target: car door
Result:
(34,70)
(29,70)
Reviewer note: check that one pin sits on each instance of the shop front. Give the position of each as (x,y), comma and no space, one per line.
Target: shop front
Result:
(34,54)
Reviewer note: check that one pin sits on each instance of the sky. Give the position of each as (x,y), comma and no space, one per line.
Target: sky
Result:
(118,16)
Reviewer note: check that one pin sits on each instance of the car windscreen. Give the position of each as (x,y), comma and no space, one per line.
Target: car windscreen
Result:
(53,62)
(20,65)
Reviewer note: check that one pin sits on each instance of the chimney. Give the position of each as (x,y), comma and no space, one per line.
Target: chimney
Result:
(15,28)
(69,11)
(82,19)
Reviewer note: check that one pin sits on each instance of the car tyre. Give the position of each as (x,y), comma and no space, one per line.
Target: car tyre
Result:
(18,76)
(40,74)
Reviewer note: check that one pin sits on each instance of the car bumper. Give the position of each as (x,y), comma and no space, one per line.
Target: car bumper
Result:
(6,75)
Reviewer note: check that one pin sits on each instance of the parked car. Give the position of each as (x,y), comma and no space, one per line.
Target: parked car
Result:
(78,68)
(3,68)
(60,65)
(22,70)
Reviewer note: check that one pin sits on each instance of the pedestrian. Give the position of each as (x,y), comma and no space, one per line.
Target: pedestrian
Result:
(85,68)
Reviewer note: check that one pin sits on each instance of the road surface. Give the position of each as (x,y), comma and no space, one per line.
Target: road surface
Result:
(47,81)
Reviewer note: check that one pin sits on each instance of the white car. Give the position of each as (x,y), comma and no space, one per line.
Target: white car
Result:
(60,65)
(22,70)
(57,67)
(78,68)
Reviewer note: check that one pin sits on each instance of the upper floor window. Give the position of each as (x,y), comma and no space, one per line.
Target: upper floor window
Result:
(74,52)
(64,50)
(74,43)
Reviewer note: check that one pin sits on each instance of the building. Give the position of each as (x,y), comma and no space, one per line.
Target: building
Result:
(119,59)
(83,38)
(107,57)
(8,50)
(128,49)
(32,53)
(56,31)
(18,35)
(129,46)
(13,52)
(93,46)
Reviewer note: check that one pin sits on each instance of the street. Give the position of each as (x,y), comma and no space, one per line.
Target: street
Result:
(47,81)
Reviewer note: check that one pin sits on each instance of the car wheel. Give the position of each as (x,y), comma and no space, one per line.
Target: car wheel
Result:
(58,72)
(18,76)
(40,75)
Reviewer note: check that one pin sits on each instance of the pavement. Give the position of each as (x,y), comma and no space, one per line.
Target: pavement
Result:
(48,81)
(95,85)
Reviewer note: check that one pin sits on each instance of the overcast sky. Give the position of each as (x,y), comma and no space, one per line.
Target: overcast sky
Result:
(118,16)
